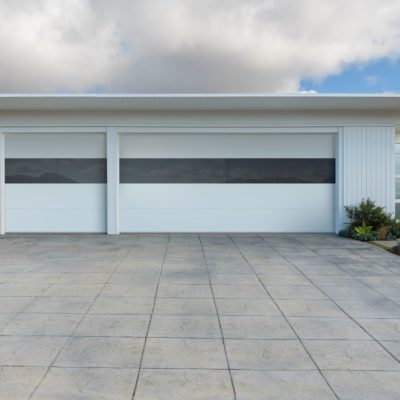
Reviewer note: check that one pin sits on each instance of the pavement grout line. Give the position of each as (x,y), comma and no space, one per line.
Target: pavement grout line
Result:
(230,338)
(202,369)
(248,247)
(287,321)
(353,319)
(150,319)
(346,313)
(219,321)
(69,337)
(21,311)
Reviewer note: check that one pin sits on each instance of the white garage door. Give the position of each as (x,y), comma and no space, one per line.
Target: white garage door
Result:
(227,183)
(55,183)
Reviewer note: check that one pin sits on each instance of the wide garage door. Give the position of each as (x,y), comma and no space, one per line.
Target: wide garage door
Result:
(55,183)
(227,183)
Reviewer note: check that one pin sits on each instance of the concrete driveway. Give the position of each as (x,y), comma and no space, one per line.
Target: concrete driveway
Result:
(198,317)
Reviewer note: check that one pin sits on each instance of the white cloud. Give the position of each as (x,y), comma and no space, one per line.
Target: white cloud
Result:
(188,45)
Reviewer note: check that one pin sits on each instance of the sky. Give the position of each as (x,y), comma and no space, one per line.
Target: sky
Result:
(199,46)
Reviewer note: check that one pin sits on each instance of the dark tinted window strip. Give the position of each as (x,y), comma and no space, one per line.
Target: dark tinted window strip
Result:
(223,170)
(56,170)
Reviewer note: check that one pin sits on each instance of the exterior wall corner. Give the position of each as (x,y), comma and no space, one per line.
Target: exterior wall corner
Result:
(364,168)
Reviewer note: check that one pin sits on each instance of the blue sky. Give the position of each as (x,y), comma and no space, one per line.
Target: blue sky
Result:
(374,77)
(199,46)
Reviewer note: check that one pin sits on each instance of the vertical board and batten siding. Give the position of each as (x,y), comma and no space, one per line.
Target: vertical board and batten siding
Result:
(364,167)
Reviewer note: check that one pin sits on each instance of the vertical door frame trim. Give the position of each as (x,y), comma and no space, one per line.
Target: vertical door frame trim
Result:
(2,185)
(112,181)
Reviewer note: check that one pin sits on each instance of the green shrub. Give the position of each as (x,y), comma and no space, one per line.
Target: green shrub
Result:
(383,232)
(369,214)
(391,236)
(364,229)
(394,230)
(345,233)
(364,232)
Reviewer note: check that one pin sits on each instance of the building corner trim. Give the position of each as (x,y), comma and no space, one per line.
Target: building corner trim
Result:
(2,186)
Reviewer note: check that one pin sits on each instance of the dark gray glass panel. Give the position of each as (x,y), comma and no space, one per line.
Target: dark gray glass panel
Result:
(146,170)
(281,170)
(397,188)
(52,170)
(31,170)
(227,170)
(82,170)
(194,170)
(397,211)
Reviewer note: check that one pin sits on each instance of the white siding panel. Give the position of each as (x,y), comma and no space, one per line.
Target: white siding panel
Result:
(55,208)
(230,208)
(365,167)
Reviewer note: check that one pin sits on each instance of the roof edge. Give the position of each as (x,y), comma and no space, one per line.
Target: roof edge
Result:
(198,101)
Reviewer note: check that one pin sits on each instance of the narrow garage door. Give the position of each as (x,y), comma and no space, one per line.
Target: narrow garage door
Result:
(227,183)
(55,183)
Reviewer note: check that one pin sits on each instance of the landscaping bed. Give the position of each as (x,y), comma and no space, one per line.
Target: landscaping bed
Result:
(371,223)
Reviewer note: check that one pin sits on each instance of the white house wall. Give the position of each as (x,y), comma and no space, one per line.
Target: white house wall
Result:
(365,167)
(364,156)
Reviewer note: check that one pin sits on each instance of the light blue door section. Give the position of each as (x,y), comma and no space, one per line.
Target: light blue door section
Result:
(221,207)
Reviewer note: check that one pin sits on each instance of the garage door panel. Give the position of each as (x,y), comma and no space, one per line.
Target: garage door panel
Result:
(55,183)
(227,220)
(59,196)
(52,220)
(215,145)
(78,145)
(56,208)
(153,196)
(227,182)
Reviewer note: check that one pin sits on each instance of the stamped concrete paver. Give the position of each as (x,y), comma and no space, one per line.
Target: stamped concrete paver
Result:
(278,385)
(184,353)
(87,384)
(19,382)
(365,385)
(198,316)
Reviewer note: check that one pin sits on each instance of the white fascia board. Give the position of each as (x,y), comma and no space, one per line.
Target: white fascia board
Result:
(203,102)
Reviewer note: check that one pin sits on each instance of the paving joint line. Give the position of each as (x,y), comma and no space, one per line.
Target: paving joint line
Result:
(219,320)
(345,312)
(76,327)
(286,319)
(139,369)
